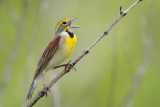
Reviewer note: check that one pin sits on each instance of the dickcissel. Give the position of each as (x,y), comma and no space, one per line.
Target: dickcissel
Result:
(59,49)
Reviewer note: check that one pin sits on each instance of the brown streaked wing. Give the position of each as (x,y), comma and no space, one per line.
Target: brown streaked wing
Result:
(47,55)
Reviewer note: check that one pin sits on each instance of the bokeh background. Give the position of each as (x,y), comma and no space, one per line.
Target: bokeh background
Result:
(122,70)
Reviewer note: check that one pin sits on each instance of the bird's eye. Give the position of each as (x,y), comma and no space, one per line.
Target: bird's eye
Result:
(64,22)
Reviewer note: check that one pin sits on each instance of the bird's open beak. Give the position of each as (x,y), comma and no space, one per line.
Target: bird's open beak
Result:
(74,26)
(70,22)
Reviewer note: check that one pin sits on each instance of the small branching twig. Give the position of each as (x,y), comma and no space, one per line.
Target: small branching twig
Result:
(67,69)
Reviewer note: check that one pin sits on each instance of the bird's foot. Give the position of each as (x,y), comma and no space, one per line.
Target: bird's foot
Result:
(66,65)
(45,89)
(69,64)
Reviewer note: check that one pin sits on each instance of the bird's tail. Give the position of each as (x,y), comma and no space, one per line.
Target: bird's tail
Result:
(32,88)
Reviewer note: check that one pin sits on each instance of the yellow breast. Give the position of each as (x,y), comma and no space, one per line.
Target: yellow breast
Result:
(70,44)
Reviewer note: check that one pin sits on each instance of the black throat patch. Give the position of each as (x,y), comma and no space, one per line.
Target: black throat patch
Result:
(70,34)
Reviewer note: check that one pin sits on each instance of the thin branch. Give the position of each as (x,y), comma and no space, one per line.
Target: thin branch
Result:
(147,33)
(42,92)
(67,69)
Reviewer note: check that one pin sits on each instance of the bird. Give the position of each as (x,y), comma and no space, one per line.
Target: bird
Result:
(58,50)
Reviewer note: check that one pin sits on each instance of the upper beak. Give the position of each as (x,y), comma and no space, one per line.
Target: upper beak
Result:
(70,22)
(72,19)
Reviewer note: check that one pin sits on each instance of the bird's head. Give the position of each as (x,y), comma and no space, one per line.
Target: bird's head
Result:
(65,25)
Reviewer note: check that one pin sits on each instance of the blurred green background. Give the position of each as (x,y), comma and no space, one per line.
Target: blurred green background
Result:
(122,70)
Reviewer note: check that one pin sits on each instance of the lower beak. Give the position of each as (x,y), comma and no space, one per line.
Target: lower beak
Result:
(74,26)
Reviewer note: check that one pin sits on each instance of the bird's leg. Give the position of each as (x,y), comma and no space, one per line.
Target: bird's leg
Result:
(65,65)
(59,66)
(44,84)
(70,65)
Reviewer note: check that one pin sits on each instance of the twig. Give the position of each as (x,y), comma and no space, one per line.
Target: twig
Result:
(127,102)
(67,69)
(42,92)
